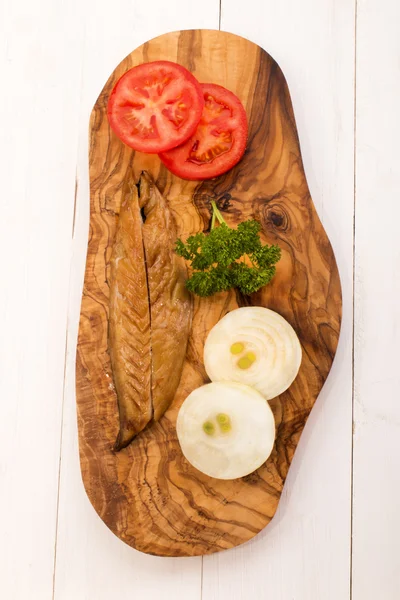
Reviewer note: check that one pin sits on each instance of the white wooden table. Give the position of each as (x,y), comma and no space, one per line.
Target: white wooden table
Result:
(336,534)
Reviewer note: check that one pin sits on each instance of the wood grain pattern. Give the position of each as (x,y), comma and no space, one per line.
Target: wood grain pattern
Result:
(148,494)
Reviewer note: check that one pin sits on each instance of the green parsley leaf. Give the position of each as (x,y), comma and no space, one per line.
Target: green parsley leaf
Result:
(219,261)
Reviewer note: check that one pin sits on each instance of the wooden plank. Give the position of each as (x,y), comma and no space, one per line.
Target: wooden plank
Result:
(305,552)
(38,161)
(376,520)
(148,494)
(92,562)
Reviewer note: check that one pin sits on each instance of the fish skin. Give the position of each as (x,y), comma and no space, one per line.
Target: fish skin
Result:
(129,323)
(170,301)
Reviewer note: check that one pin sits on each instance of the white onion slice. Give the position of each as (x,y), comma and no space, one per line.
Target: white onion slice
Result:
(226,430)
(254,346)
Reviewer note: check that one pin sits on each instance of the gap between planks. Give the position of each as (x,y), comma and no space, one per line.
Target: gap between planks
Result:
(67,323)
(354,302)
(60,447)
(202,558)
(63,395)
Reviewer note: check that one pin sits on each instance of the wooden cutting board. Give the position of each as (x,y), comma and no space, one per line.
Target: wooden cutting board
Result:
(148,494)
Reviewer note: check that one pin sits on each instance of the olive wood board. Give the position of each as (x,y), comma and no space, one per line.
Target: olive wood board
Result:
(148,494)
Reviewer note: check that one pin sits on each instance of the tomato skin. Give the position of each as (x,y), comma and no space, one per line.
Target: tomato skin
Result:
(155,106)
(219,141)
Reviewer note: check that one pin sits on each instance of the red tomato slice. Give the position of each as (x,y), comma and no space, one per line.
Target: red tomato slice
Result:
(155,106)
(219,141)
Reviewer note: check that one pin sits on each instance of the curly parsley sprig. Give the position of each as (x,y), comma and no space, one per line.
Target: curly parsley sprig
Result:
(218,259)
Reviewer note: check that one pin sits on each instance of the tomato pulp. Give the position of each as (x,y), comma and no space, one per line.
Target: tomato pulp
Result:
(219,141)
(155,106)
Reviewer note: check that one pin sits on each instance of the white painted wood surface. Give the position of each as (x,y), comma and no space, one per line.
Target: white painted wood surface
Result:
(39,107)
(54,60)
(376,519)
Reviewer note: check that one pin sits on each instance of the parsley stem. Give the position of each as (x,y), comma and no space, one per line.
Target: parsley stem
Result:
(216,214)
(213,220)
